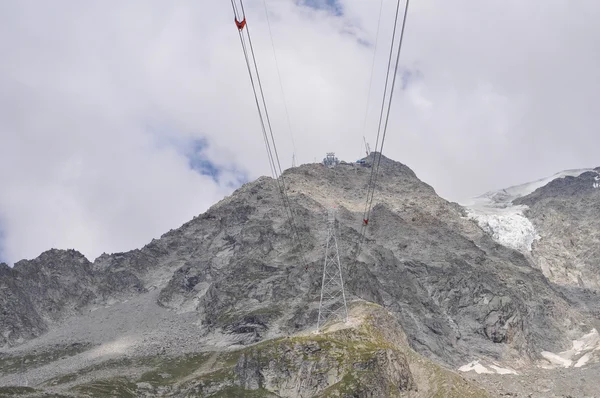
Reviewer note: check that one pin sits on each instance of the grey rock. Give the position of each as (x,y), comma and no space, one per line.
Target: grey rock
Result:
(238,275)
(565,214)
(248,373)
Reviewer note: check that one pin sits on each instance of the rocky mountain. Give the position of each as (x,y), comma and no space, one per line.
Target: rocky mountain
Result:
(235,291)
(42,292)
(566,214)
(553,220)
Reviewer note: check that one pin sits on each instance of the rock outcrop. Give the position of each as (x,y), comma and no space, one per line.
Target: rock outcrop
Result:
(40,293)
(565,214)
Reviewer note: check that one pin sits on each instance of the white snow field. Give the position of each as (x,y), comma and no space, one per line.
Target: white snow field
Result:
(505,222)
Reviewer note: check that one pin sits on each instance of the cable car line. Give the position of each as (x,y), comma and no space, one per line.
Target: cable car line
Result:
(372,69)
(274,162)
(287,114)
(377,158)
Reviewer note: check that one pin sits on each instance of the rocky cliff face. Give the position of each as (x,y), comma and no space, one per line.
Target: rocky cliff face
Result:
(237,276)
(19,319)
(40,293)
(565,213)
(457,292)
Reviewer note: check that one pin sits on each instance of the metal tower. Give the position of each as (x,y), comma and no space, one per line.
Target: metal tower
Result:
(333,298)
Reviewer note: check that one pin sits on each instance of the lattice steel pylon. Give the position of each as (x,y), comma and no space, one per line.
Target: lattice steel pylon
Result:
(333,297)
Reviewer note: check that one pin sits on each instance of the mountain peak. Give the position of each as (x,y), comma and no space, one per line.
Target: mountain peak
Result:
(53,258)
(244,273)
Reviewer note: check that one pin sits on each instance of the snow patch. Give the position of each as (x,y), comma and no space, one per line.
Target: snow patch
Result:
(479,369)
(556,359)
(580,354)
(503,371)
(476,366)
(587,342)
(505,222)
(583,360)
(507,226)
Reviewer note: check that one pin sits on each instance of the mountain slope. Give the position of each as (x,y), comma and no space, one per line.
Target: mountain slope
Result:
(553,220)
(58,284)
(236,276)
(566,214)
(367,356)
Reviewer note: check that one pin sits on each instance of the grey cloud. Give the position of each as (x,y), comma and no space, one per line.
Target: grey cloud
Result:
(97,98)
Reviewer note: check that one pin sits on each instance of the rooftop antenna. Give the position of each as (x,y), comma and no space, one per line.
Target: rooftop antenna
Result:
(333,297)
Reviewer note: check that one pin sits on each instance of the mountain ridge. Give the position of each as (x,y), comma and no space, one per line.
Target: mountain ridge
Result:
(234,276)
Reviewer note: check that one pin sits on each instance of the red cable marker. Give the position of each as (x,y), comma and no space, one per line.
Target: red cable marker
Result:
(240,25)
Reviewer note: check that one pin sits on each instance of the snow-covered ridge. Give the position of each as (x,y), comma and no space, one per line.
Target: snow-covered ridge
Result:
(506,196)
(505,222)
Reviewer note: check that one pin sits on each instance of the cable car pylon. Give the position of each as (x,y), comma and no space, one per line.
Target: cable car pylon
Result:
(333,298)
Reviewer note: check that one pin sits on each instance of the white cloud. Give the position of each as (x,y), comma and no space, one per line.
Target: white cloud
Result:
(98,102)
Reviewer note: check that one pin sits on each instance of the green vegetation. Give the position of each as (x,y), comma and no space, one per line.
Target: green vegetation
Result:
(62,379)
(266,313)
(235,392)
(342,361)
(121,363)
(218,376)
(173,369)
(13,391)
(171,372)
(347,385)
(13,363)
(118,387)
(229,359)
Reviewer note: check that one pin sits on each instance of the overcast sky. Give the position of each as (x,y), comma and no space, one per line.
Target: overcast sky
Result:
(120,120)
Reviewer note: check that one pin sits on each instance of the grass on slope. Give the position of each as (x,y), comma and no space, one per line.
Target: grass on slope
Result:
(118,387)
(174,369)
(14,363)
(212,374)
